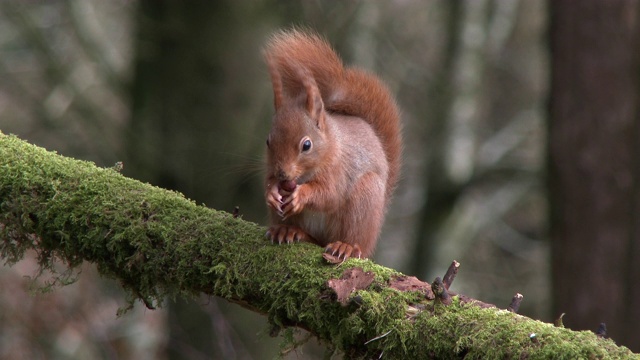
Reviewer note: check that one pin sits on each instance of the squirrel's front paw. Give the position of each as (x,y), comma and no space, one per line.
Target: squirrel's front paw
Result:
(343,250)
(285,234)
(293,203)
(274,199)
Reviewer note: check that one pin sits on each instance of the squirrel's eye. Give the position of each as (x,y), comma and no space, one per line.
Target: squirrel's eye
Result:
(306,145)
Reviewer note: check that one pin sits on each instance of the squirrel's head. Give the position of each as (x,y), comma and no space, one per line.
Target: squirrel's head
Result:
(296,144)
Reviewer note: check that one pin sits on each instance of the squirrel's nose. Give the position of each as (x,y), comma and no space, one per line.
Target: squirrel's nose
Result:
(281,175)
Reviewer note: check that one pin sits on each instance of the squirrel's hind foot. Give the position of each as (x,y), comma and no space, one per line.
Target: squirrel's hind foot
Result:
(343,250)
(287,234)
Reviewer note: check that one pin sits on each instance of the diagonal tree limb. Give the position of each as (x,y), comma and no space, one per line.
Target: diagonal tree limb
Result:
(159,244)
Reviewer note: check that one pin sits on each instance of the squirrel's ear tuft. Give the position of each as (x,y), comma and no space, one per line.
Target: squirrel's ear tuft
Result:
(313,104)
(276,81)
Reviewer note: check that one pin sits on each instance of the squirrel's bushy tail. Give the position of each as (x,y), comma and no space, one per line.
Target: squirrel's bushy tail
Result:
(347,91)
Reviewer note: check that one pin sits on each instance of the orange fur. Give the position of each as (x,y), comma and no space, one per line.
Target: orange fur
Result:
(336,134)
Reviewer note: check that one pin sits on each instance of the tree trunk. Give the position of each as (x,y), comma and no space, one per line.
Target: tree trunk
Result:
(594,165)
(190,85)
(192,82)
(159,244)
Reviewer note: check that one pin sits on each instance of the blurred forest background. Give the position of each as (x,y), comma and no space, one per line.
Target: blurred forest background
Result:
(179,92)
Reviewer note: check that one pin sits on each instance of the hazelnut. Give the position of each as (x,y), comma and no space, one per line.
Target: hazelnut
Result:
(288,185)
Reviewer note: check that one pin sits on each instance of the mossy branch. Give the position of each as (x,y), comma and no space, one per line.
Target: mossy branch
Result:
(159,244)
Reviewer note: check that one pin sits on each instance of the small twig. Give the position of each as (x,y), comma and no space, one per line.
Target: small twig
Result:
(440,291)
(450,275)
(379,337)
(601,332)
(515,303)
(118,166)
(558,322)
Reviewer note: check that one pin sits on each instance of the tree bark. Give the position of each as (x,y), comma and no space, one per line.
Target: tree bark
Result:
(159,244)
(594,165)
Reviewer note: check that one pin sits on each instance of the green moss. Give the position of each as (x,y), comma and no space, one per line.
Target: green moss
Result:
(500,334)
(159,244)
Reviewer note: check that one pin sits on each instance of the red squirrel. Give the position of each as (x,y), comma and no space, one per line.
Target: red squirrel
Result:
(333,152)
